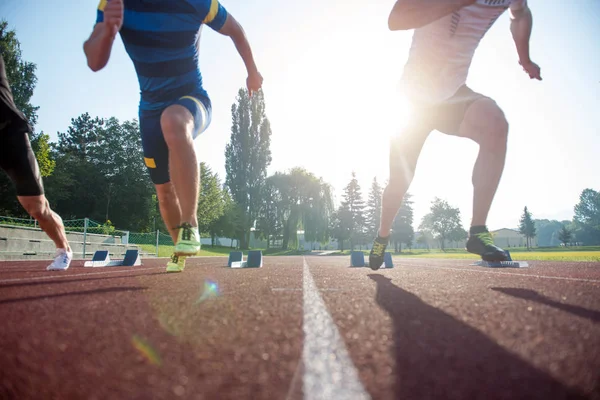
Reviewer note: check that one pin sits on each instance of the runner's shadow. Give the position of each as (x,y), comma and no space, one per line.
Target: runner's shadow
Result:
(440,357)
(532,295)
(60,280)
(81,293)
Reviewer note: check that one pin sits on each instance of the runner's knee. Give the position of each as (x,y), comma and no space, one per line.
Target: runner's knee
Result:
(487,124)
(166,193)
(176,123)
(36,206)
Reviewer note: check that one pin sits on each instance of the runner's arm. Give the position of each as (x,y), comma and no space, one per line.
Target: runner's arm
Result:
(234,30)
(521,22)
(412,14)
(98,47)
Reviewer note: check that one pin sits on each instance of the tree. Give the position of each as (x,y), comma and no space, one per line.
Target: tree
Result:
(354,203)
(268,225)
(587,217)
(303,202)
(457,235)
(402,229)
(229,223)
(211,204)
(373,216)
(247,156)
(22,80)
(565,235)
(43,153)
(527,226)
(341,223)
(21,74)
(441,221)
(424,238)
(100,174)
(547,232)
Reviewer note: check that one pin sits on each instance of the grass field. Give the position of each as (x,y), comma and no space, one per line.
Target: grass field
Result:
(587,253)
(166,251)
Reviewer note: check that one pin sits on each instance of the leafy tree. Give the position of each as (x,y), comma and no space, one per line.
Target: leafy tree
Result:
(587,217)
(547,232)
(22,80)
(100,174)
(211,204)
(43,153)
(341,223)
(303,202)
(402,229)
(247,156)
(373,214)
(269,225)
(527,226)
(457,235)
(441,221)
(21,74)
(229,223)
(565,235)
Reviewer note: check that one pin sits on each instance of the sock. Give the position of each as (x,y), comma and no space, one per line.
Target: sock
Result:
(478,229)
(382,240)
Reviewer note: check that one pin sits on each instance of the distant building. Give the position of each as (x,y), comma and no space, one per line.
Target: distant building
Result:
(506,238)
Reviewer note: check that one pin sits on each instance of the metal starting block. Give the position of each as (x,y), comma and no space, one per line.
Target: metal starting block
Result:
(502,264)
(357,259)
(254,259)
(101,258)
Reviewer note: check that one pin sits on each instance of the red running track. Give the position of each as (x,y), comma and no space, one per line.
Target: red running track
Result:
(427,329)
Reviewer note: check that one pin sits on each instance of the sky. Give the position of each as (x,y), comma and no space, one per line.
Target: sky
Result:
(331,71)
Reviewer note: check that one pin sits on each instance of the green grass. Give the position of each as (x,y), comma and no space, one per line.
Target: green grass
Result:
(586,253)
(218,251)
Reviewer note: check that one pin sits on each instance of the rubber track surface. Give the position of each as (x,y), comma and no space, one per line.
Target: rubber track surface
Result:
(426,329)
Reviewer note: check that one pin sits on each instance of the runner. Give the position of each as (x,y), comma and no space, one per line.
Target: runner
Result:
(447,33)
(162,40)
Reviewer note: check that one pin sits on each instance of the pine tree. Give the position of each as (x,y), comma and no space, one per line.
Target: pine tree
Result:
(402,229)
(373,214)
(354,203)
(527,226)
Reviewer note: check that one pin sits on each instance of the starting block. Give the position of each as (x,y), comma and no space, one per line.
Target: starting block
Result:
(387,260)
(357,259)
(235,256)
(101,258)
(254,260)
(502,264)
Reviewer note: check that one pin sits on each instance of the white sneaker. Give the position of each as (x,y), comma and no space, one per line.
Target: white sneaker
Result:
(62,260)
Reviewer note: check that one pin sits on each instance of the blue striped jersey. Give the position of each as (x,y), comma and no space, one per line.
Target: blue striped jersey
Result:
(160,37)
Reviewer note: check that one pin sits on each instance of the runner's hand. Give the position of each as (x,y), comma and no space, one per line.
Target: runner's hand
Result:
(532,69)
(113,16)
(254,82)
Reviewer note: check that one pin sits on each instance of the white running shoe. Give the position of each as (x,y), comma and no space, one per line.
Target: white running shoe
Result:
(62,260)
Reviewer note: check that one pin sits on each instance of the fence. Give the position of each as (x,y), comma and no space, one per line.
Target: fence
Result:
(150,242)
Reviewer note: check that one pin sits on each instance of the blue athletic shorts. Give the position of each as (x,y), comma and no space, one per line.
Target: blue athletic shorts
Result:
(156,152)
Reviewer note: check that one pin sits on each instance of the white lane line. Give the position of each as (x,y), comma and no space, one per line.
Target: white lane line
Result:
(562,278)
(328,370)
(75,275)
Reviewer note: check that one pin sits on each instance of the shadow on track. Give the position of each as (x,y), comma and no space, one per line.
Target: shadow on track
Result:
(46,282)
(440,357)
(532,295)
(82,293)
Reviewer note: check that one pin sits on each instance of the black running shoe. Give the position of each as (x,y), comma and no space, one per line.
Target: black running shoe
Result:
(483,245)
(377,252)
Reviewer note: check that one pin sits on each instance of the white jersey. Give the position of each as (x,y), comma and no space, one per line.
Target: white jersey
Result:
(441,52)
